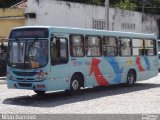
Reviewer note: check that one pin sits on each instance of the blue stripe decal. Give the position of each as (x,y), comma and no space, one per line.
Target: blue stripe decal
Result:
(147,63)
(113,62)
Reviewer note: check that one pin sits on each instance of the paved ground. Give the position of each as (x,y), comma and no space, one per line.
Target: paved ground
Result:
(144,97)
(2,80)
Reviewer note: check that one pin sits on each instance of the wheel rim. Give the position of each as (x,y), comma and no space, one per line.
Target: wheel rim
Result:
(75,84)
(130,78)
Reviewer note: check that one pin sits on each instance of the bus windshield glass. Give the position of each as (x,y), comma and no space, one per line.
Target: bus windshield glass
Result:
(28,54)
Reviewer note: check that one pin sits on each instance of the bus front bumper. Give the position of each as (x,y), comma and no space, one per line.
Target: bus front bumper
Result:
(41,86)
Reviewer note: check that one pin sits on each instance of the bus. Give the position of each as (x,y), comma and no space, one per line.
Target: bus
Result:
(50,58)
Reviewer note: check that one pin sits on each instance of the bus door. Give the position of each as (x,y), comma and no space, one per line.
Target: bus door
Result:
(59,62)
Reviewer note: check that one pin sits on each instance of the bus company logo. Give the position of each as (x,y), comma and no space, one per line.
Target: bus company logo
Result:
(149,117)
(24,79)
(87,63)
(77,63)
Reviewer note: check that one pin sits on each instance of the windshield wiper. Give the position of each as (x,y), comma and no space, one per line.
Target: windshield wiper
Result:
(27,51)
(35,40)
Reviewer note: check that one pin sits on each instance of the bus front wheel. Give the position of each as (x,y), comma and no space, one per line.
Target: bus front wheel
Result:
(75,84)
(131,78)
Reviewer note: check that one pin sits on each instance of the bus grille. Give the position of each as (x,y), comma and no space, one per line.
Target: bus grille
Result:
(25,84)
(25,73)
(25,79)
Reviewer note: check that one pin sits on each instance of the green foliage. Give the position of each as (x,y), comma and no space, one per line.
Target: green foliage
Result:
(126,5)
(151,6)
(96,2)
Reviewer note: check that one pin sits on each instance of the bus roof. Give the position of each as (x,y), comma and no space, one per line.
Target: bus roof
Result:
(72,30)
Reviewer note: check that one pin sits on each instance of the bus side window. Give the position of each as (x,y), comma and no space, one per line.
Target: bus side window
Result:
(110,46)
(125,47)
(150,47)
(94,46)
(77,45)
(138,47)
(59,54)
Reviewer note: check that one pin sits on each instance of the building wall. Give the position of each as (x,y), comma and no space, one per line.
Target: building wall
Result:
(59,13)
(10,18)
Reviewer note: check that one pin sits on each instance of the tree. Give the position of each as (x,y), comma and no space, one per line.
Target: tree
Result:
(126,5)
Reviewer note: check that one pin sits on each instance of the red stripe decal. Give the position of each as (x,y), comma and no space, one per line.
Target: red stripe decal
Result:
(97,73)
(138,63)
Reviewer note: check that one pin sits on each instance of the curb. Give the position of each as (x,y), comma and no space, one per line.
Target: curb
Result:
(2,78)
(2,82)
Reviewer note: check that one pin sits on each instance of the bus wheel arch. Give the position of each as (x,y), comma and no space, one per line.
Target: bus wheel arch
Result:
(131,77)
(77,77)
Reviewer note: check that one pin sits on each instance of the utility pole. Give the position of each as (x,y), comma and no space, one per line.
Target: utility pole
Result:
(143,2)
(107,14)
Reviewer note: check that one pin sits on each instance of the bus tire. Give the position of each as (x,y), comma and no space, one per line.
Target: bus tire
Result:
(131,78)
(75,84)
(39,92)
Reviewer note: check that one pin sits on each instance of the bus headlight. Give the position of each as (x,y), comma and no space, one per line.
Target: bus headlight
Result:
(10,77)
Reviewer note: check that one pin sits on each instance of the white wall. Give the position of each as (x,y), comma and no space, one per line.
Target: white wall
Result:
(58,13)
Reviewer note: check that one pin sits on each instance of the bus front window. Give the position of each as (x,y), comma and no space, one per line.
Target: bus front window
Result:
(28,54)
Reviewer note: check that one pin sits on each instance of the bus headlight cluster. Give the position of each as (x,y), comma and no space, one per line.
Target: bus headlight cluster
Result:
(9,76)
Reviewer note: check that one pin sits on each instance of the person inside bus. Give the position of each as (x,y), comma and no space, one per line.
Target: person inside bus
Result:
(34,64)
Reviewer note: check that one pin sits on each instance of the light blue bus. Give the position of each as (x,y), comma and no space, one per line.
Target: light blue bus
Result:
(48,58)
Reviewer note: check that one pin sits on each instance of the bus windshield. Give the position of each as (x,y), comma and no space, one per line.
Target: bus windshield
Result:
(28,54)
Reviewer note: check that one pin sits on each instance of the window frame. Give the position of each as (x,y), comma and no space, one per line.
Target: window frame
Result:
(138,47)
(67,52)
(104,46)
(70,44)
(120,46)
(154,47)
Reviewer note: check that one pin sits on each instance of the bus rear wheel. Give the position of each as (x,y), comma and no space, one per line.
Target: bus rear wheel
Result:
(39,92)
(131,78)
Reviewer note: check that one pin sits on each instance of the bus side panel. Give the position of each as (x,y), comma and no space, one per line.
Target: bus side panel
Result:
(90,69)
(149,67)
(112,70)
(126,64)
(82,65)
(103,71)
(60,77)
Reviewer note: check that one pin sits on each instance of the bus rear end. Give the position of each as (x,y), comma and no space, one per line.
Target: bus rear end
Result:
(27,65)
